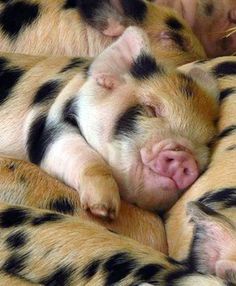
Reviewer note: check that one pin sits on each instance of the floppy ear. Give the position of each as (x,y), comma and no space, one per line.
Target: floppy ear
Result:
(109,67)
(214,236)
(203,78)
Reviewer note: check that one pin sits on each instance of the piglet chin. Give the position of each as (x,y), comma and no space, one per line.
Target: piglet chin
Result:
(161,192)
(158,192)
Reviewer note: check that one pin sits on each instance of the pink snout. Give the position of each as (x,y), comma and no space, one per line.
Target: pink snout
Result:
(179,166)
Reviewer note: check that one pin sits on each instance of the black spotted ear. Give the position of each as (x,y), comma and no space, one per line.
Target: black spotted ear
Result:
(214,239)
(103,16)
(109,67)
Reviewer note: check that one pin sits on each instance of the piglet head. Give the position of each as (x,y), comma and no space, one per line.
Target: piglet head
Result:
(213,249)
(150,123)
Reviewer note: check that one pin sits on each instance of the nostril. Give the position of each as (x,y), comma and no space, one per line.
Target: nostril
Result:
(186,172)
(168,160)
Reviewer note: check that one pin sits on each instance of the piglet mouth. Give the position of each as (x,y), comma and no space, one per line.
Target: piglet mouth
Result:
(159,182)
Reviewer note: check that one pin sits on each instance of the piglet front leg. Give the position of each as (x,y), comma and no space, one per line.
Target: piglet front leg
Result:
(72,160)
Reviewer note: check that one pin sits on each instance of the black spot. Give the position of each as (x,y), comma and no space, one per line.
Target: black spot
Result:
(118,267)
(226,93)
(134,9)
(126,124)
(147,272)
(192,261)
(145,66)
(18,15)
(172,277)
(47,91)
(209,9)
(91,15)
(16,240)
(226,198)
(174,24)
(70,4)
(225,69)
(13,216)
(75,63)
(227,132)
(9,76)
(39,139)
(45,218)
(62,276)
(15,263)
(91,269)
(179,40)
(62,205)
(70,113)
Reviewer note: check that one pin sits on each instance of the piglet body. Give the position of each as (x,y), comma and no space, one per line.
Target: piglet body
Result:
(121,124)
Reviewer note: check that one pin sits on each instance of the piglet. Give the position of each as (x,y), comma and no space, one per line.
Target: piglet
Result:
(121,124)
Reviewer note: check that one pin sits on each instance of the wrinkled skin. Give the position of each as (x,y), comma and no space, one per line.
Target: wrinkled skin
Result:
(211,20)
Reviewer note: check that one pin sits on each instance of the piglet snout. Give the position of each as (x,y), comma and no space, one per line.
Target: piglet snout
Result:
(178,165)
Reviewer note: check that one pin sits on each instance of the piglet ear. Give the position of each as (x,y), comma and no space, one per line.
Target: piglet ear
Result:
(213,235)
(116,60)
(203,78)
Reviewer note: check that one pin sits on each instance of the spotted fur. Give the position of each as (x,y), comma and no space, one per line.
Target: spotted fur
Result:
(23,183)
(65,251)
(216,188)
(72,28)
(58,125)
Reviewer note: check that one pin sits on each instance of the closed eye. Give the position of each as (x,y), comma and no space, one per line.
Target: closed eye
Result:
(155,110)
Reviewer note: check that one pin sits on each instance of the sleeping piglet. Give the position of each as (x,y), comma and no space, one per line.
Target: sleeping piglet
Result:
(121,122)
